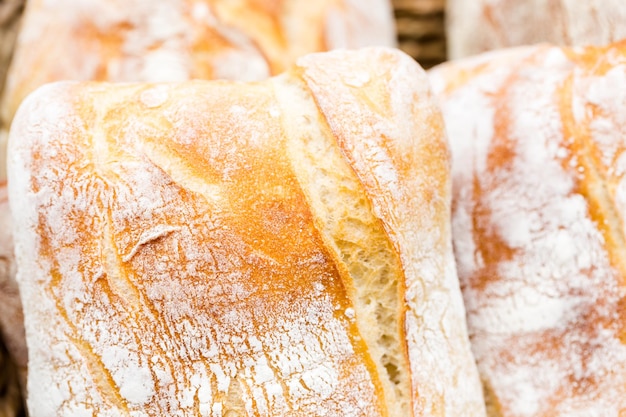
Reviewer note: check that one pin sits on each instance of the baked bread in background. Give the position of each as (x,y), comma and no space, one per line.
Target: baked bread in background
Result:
(538,136)
(273,248)
(178,40)
(475,26)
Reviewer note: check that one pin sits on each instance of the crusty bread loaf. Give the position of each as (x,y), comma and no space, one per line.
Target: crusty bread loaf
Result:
(475,26)
(169,40)
(538,137)
(273,248)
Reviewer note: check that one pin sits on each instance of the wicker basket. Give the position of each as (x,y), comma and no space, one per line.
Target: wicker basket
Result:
(420,27)
(10,12)
(11,404)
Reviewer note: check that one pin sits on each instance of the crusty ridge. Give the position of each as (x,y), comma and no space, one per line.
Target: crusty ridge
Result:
(372,273)
(379,108)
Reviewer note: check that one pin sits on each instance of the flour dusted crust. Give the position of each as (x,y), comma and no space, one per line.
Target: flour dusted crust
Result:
(207,248)
(475,26)
(178,40)
(538,140)
(365,109)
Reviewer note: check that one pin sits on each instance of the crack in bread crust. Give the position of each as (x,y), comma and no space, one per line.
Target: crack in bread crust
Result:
(372,271)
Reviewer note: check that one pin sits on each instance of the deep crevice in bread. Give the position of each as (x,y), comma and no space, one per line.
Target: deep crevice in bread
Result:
(357,237)
(234,405)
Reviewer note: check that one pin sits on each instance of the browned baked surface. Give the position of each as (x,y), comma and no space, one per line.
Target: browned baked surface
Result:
(171,40)
(276,248)
(538,136)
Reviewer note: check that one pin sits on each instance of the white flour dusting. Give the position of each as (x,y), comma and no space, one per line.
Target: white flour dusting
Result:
(543,294)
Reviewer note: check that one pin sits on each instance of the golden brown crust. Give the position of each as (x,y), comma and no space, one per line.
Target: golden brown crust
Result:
(538,216)
(171,193)
(173,41)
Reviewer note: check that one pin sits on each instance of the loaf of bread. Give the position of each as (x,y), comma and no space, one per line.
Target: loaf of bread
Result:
(272,248)
(178,40)
(475,26)
(538,136)
(170,40)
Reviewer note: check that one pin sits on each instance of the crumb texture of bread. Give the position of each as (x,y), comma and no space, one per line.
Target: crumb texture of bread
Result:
(386,125)
(241,249)
(539,199)
(373,274)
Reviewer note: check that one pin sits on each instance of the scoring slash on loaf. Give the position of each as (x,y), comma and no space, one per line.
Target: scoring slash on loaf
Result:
(220,248)
(538,136)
